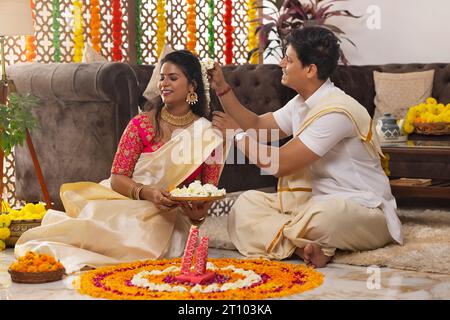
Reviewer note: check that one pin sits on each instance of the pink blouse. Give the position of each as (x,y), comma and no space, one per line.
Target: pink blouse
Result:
(138,138)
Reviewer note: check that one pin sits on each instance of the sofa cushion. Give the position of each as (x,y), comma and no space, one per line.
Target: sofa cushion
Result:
(396,92)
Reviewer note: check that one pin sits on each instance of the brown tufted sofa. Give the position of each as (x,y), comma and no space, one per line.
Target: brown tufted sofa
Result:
(85,107)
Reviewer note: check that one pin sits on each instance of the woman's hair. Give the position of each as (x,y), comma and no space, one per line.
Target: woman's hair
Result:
(191,68)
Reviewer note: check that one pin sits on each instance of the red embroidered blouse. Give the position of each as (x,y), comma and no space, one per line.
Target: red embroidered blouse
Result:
(138,138)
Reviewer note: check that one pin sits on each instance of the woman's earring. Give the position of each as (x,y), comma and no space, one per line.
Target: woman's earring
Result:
(192,98)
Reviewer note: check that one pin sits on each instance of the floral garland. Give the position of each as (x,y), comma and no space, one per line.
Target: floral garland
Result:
(252,25)
(191,26)
(234,279)
(227,18)
(117,30)
(56,15)
(78,40)
(211,29)
(138,6)
(162,26)
(95,24)
(206,64)
(30,41)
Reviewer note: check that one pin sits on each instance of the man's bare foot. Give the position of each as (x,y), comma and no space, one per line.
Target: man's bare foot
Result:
(312,254)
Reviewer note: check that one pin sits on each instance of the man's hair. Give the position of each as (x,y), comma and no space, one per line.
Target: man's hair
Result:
(316,45)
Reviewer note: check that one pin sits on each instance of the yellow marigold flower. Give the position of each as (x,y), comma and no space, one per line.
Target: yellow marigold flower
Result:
(407,127)
(4,233)
(431,100)
(2,245)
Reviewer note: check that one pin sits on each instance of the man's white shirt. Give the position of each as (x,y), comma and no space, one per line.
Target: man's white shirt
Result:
(345,168)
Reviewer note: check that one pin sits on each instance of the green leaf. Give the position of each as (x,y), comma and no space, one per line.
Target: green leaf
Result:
(15,118)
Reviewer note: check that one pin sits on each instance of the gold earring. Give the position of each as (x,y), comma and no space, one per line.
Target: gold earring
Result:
(192,98)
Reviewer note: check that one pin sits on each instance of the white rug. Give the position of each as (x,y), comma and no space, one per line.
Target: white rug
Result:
(426,247)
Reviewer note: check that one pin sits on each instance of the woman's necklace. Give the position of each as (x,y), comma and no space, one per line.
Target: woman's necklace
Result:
(178,121)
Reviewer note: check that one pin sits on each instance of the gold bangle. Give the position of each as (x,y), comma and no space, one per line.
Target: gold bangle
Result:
(197,222)
(132,194)
(138,191)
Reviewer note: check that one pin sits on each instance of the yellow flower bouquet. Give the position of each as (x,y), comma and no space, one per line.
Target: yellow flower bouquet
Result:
(14,222)
(429,117)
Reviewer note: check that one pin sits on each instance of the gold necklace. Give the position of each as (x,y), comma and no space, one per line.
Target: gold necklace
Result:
(178,121)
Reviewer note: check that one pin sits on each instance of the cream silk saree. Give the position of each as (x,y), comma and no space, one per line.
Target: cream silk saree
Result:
(102,227)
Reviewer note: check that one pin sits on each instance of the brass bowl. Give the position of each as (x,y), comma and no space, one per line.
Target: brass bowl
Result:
(17,227)
(36,277)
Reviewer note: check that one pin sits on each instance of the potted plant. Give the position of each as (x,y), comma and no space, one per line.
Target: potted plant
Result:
(293,14)
(15,119)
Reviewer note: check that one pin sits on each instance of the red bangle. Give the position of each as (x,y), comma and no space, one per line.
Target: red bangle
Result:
(219,94)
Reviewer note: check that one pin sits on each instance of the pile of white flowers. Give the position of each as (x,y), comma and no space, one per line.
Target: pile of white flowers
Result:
(196,189)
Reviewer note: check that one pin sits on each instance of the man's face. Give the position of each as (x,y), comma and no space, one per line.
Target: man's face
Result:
(294,73)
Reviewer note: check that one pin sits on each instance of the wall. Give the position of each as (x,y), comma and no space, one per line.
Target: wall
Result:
(409,31)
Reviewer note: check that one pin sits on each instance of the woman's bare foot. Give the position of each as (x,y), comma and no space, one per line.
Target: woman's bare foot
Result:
(312,254)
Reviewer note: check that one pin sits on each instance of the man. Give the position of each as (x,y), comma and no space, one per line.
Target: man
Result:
(332,192)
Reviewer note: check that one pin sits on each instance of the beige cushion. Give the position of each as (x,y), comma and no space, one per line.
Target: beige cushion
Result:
(90,55)
(152,91)
(396,92)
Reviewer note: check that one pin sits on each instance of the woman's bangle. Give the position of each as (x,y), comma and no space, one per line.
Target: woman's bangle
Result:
(228,89)
(197,222)
(134,190)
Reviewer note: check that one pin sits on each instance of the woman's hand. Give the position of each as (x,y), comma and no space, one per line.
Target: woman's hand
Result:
(218,82)
(222,121)
(195,210)
(159,197)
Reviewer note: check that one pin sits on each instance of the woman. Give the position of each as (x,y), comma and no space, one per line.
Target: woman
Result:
(130,216)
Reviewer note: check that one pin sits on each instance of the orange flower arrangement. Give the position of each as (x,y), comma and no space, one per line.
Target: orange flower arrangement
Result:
(191,26)
(32,262)
(30,41)
(276,279)
(95,24)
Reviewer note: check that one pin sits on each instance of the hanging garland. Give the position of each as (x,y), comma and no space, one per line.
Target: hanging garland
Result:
(117,31)
(138,4)
(252,25)
(162,26)
(78,39)
(95,24)
(227,18)
(30,41)
(211,29)
(191,26)
(56,14)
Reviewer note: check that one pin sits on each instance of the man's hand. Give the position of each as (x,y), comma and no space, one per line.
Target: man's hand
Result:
(218,82)
(223,121)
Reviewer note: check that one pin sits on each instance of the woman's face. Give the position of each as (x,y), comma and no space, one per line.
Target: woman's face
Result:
(173,84)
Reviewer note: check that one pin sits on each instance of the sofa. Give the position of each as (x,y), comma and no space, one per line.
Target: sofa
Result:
(84,109)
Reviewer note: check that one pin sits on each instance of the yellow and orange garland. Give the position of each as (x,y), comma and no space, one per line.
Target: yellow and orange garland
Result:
(252,25)
(78,37)
(276,279)
(162,26)
(191,26)
(95,24)
(30,41)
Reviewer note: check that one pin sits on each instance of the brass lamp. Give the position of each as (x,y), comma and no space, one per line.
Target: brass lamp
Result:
(16,20)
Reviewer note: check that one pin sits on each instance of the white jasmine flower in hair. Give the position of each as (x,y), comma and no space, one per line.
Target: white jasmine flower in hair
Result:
(209,63)
(206,65)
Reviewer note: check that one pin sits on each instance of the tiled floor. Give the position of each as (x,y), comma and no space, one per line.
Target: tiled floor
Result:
(341,282)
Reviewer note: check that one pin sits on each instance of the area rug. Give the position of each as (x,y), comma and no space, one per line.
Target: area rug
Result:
(426,243)
(233,279)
